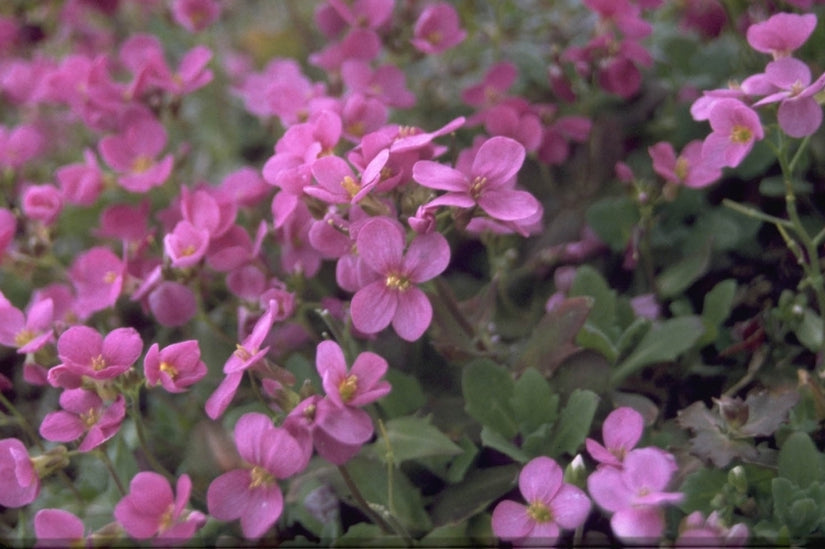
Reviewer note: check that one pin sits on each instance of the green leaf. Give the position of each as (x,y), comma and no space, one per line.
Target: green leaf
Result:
(534,403)
(800,461)
(488,391)
(809,331)
(413,438)
(675,279)
(406,396)
(632,335)
(459,502)
(574,422)
(589,282)
(700,488)
(363,534)
(494,440)
(613,220)
(663,343)
(461,464)
(552,339)
(591,337)
(716,309)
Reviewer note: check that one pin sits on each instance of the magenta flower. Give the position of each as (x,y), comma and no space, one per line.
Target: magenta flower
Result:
(789,83)
(57,525)
(133,152)
(487,183)
(552,505)
(27,332)
(81,183)
(97,277)
(42,203)
(150,510)
(186,245)
(359,386)
(782,33)
(84,412)
(437,29)
(688,169)
(19,483)
(635,493)
(86,353)
(621,431)
(176,366)
(696,531)
(8,227)
(394,297)
(338,185)
(252,494)
(736,127)
(493,88)
(195,15)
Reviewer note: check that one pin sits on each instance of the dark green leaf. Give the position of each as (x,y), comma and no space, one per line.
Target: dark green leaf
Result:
(589,282)
(406,396)
(574,422)
(800,461)
(488,391)
(613,220)
(413,438)
(494,440)
(473,495)
(534,402)
(675,279)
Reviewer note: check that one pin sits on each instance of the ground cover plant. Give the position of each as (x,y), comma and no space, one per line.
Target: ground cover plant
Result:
(412,273)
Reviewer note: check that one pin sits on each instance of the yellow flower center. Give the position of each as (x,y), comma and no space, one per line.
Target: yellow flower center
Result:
(98,363)
(23,336)
(397,282)
(109,277)
(435,37)
(741,134)
(141,164)
(169,369)
(539,512)
(477,186)
(166,519)
(187,251)
(681,168)
(350,185)
(90,417)
(242,352)
(260,477)
(348,387)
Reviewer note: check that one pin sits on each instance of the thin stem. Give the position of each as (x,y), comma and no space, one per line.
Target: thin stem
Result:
(144,444)
(22,421)
(362,503)
(107,462)
(756,214)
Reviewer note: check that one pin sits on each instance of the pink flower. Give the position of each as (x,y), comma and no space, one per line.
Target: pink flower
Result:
(394,298)
(133,152)
(552,505)
(176,366)
(97,277)
(81,183)
(8,227)
(736,127)
(493,87)
(84,412)
(172,303)
(252,494)
(621,431)
(150,510)
(57,525)
(19,483)
(635,493)
(86,353)
(488,182)
(688,168)
(359,386)
(437,29)
(186,245)
(42,203)
(696,531)
(195,15)
(782,33)
(27,332)
(338,185)
(789,83)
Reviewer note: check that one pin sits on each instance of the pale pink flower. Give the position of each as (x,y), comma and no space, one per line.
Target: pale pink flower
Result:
(394,297)
(552,505)
(385,83)
(635,493)
(133,152)
(688,169)
(81,183)
(782,33)
(736,127)
(696,531)
(488,183)
(437,29)
(176,366)
(358,386)
(30,331)
(151,510)
(621,431)
(84,413)
(19,483)
(84,352)
(252,494)
(195,15)
(53,526)
(493,88)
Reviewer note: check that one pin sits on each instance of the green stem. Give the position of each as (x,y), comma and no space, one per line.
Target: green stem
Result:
(107,462)
(134,412)
(22,421)
(756,214)
(362,503)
